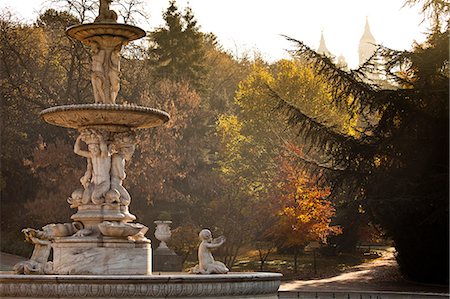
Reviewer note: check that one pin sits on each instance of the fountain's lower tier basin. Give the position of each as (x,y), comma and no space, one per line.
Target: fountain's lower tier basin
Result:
(176,285)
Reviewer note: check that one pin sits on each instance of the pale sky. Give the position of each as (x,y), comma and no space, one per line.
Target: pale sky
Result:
(247,26)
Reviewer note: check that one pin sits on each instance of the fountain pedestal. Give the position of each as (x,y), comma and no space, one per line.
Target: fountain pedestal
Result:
(101,256)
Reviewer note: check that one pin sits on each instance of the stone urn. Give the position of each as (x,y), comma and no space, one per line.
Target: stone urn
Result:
(163,233)
(164,258)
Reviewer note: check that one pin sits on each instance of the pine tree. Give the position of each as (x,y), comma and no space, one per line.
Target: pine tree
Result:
(178,51)
(397,168)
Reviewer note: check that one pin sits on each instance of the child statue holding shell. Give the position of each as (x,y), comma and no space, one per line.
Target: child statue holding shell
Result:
(206,262)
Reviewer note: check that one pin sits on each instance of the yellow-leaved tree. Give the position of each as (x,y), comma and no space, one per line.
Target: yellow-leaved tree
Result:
(252,140)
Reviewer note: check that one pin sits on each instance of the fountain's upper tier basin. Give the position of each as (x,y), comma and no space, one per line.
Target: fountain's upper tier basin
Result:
(114,117)
(177,285)
(84,32)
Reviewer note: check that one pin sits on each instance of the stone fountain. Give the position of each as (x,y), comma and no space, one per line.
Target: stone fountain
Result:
(102,253)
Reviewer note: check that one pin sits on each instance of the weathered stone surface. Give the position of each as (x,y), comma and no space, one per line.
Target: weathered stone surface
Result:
(119,229)
(176,285)
(92,215)
(101,256)
(113,117)
(84,32)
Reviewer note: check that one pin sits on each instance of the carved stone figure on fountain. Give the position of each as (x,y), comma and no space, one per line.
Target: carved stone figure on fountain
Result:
(98,72)
(62,229)
(114,72)
(130,231)
(105,14)
(86,182)
(83,196)
(122,149)
(105,75)
(75,198)
(38,263)
(206,262)
(100,160)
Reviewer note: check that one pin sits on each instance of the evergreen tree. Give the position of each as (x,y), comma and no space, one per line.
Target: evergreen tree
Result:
(178,50)
(397,169)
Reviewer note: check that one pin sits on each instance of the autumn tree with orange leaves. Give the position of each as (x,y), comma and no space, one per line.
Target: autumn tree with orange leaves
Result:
(304,211)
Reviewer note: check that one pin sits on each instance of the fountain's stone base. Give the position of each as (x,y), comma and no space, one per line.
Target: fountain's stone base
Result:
(231,285)
(101,256)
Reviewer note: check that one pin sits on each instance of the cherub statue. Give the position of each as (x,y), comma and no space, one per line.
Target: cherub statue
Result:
(206,262)
(122,149)
(99,159)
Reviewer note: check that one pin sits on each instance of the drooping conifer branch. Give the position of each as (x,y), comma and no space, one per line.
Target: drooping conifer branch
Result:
(343,85)
(323,146)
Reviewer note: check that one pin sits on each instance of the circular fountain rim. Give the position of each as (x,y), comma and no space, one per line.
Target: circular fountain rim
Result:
(116,117)
(168,285)
(164,276)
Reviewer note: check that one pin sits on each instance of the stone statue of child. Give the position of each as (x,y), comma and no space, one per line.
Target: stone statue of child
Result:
(122,150)
(206,262)
(100,160)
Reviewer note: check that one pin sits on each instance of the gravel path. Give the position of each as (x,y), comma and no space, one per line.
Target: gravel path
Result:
(381,274)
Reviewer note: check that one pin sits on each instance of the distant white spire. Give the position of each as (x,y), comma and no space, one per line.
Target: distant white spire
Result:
(322,47)
(367,36)
(367,44)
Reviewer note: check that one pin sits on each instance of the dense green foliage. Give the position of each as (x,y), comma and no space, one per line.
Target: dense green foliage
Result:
(178,49)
